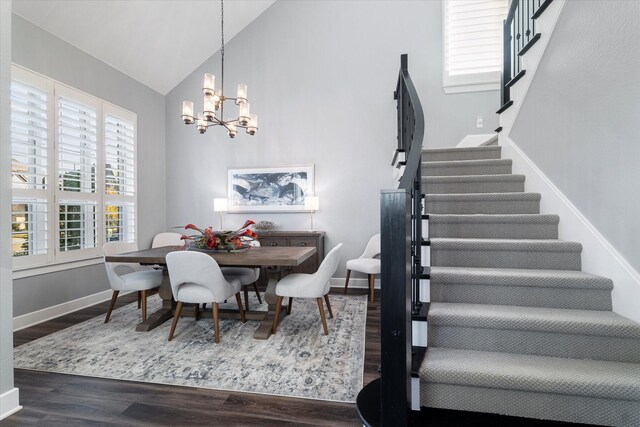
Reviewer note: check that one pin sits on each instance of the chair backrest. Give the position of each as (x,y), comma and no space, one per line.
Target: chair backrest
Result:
(328,268)
(373,247)
(167,239)
(117,269)
(197,268)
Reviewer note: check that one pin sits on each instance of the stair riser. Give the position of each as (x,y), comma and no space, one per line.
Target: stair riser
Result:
(503,169)
(531,404)
(461,155)
(493,231)
(482,207)
(473,187)
(535,343)
(505,259)
(522,296)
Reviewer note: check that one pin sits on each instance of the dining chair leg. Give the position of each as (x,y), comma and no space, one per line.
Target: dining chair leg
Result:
(246,297)
(176,316)
(216,329)
(114,297)
(139,299)
(324,320)
(346,282)
(204,305)
(326,299)
(144,305)
(255,287)
(197,308)
(275,319)
(239,300)
(289,305)
(372,278)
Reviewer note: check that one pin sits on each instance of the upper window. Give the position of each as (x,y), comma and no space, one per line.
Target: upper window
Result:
(73,172)
(472,44)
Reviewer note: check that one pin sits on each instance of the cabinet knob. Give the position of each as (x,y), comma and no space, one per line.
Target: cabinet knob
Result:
(273,244)
(303,244)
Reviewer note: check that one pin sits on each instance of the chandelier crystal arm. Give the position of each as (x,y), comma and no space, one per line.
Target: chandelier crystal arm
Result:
(214,101)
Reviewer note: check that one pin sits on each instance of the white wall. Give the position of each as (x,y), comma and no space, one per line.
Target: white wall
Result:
(576,138)
(583,107)
(44,53)
(8,394)
(321,76)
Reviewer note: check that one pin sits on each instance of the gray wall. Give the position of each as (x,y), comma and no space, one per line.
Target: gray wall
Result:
(6,317)
(44,53)
(321,76)
(583,106)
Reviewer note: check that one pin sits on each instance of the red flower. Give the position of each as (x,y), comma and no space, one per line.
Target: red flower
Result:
(247,223)
(184,237)
(191,227)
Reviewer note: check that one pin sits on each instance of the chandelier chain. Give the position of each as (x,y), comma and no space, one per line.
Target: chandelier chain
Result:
(222,42)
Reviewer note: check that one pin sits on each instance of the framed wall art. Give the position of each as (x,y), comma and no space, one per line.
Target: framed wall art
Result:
(272,189)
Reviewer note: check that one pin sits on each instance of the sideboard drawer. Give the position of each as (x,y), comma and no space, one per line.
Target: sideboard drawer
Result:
(303,242)
(273,241)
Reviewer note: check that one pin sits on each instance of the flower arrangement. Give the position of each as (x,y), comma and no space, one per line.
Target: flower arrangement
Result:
(220,240)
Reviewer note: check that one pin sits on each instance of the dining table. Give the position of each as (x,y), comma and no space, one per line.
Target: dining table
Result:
(276,262)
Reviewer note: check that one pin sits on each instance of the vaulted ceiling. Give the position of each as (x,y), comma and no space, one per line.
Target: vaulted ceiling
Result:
(157,42)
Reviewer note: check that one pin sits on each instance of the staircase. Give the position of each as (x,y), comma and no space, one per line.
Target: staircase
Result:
(514,326)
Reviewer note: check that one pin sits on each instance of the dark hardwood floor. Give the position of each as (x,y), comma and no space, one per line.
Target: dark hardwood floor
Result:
(67,400)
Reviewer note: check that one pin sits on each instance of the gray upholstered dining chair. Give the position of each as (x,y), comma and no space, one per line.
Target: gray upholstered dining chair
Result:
(314,285)
(196,278)
(247,277)
(167,239)
(366,263)
(129,276)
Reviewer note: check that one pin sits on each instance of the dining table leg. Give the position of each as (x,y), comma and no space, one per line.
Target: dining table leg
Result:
(264,331)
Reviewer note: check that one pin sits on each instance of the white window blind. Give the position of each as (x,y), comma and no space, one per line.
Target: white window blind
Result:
(29,138)
(120,222)
(77,225)
(119,142)
(77,146)
(473,41)
(73,172)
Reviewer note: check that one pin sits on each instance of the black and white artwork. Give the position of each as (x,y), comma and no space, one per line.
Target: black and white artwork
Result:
(275,189)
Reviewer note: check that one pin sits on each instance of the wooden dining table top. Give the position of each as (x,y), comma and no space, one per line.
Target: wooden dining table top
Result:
(262,256)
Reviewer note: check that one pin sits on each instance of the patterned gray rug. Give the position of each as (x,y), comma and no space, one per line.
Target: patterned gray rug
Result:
(299,361)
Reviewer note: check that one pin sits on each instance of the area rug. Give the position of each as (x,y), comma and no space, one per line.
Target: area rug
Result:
(299,361)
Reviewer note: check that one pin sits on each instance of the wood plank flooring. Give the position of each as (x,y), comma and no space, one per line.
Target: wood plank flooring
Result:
(67,400)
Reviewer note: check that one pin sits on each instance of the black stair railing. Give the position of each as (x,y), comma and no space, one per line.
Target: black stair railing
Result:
(401,236)
(519,34)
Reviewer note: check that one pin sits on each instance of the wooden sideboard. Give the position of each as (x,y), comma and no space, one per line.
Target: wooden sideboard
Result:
(297,238)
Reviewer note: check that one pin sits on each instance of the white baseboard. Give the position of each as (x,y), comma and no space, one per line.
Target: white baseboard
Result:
(338,282)
(9,403)
(33,318)
(598,255)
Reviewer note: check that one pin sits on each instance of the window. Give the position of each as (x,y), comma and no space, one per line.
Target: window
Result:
(73,172)
(472,44)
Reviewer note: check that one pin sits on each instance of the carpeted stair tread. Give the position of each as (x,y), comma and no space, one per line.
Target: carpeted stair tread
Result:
(543,374)
(466,153)
(493,219)
(519,277)
(474,178)
(520,245)
(467,167)
(483,203)
(552,320)
(461,184)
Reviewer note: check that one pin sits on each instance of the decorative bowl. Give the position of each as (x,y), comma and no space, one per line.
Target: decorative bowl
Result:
(264,225)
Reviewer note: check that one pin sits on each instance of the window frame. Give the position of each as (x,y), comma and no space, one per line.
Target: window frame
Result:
(477,82)
(55,259)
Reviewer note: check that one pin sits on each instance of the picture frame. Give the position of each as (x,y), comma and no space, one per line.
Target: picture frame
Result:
(270,189)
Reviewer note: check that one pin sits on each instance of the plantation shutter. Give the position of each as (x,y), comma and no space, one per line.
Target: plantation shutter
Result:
(120,174)
(77,146)
(473,33)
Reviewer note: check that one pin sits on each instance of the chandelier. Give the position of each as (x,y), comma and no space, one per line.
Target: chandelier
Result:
(213,110)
